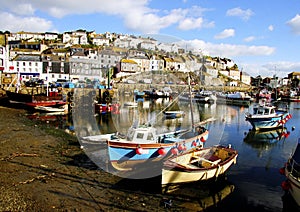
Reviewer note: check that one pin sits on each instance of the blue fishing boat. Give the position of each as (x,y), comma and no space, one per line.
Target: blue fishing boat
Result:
(143,144)
(266,117)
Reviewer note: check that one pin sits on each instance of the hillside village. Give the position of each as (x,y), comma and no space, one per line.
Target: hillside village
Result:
(82,55)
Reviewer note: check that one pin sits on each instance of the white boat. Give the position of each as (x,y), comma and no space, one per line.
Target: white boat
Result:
(292,173)
(197,165)
(266,117)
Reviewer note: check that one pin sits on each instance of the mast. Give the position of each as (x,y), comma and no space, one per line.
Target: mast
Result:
(191,105)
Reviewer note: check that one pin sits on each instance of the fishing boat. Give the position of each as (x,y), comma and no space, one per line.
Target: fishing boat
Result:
(105,108)
(143,144)
(267,116)
(197,165)
(237,98)
(196,97)
(292,172)
(34,100)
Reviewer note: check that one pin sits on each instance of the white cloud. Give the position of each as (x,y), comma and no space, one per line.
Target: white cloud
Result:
(227,50)
(190,23)
(249,39)
(238,12)
(225,34)
(16,23)
(278,68)
(23,9)
(136,15)
(271,28)
(294,23)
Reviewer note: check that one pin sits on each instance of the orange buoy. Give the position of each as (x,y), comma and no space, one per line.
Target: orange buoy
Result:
(174,151)
(282,170)
(285,185)
(162,151)
(139,150)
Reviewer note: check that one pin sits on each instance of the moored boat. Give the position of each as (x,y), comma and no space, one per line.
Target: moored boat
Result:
(35,100)
(266,117)
(197,165)
(237,98)
(292,172)
(143,144)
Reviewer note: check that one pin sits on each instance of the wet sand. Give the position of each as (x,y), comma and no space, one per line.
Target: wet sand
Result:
(44,169)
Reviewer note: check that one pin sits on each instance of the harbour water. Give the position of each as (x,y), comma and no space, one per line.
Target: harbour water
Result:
(255,181)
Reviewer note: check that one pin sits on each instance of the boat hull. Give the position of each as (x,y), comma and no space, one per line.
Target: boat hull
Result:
(267,123)
(124,156)
(234,101)
(294,186)
(177,173)
(35,100)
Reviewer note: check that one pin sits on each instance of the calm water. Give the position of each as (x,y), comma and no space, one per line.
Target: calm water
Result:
(255,177)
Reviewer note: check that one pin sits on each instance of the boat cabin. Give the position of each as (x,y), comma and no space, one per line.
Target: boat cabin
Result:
(142,134)
(264,110)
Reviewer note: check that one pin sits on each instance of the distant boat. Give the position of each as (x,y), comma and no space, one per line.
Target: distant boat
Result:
(36,99)
(266,117)
(104,108)
(197,165)
(292,172)
(195,97)
(237,98)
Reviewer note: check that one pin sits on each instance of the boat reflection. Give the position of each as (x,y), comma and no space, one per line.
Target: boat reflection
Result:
(257,139)
(263,141)
(202,195)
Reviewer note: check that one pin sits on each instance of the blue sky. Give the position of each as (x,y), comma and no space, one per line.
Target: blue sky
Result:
(262,37)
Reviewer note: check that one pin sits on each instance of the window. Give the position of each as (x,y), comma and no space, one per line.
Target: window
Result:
(150,137)
(140,135)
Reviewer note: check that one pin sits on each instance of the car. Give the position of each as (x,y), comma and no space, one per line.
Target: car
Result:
(33,82)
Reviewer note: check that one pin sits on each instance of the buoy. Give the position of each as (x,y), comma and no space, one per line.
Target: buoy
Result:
(285,185)
(174,151)
(202,139)
(194,143)
(180,147)
(282,170)
(287,134)
(162,151)
(139,150)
